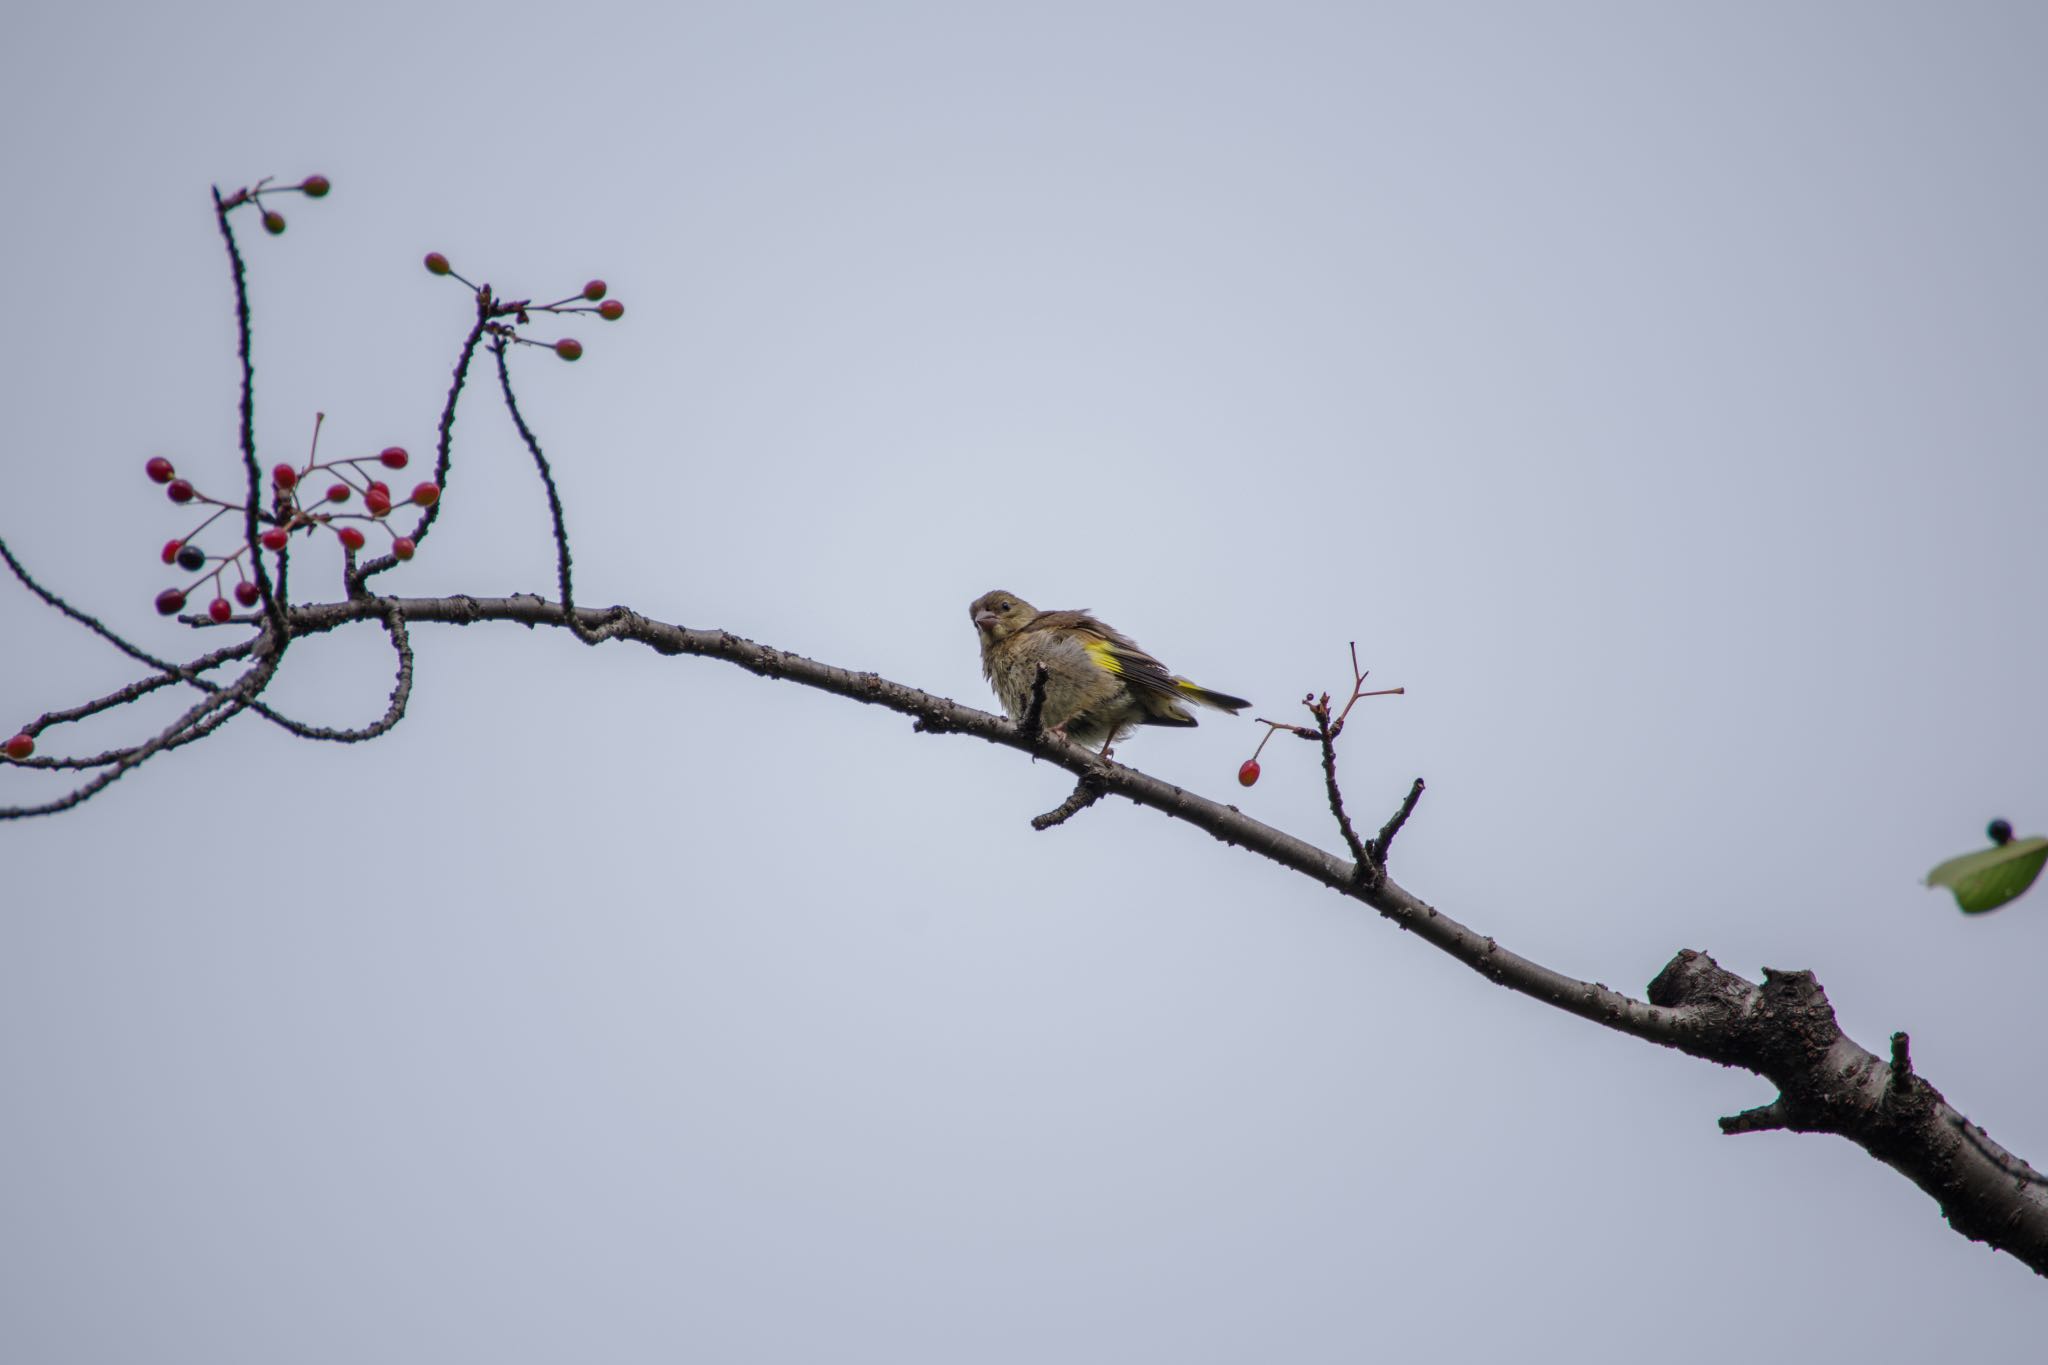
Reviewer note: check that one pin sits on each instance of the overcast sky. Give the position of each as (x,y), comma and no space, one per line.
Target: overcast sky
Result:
(1656,391)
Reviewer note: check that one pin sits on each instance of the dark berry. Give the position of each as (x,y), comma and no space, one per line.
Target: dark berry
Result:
(170,602)
(2000,832)
(315,186)
(191,558)
(180,491)
(246,593)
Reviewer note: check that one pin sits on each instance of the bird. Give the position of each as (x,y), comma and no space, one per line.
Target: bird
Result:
(1099,685)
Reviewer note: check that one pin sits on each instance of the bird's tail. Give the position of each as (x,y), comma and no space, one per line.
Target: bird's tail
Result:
(1222,701)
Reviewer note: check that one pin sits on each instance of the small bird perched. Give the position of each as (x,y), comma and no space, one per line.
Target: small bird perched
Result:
(1099,684)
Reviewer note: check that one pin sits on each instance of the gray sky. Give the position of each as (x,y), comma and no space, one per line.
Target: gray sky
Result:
(1655,391)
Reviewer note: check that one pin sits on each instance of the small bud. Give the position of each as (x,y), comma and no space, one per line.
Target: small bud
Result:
(315,186)
(219,610)
(285,477)
(351,537)
(569,348)
(426,494)
(594,290)
(170,602)
(275,538)
(21,746)
(437,264)
(273,222)
(1249,773)
(611,310)
(159,469)
(403,547)
(246,593)
(180,491)
(191,558)
(394,457)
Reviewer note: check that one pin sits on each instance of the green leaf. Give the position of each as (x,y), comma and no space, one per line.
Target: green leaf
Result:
(1990,877)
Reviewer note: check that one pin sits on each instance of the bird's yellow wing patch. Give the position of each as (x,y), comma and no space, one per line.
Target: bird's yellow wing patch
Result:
(1105,656)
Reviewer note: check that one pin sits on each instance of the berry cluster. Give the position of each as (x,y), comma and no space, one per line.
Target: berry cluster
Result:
(294,509)
(313,187)
(590,299)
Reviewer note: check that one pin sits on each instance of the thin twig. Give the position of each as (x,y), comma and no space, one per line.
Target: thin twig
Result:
(228,700)
(1086,793)
(1377,849)
(547,478)
(1326,735)
(272,606)
(444,444)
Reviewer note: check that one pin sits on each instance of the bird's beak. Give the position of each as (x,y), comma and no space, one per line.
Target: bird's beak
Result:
(984,620)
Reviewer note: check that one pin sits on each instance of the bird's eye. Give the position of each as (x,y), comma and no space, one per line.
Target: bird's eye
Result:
(1004,606)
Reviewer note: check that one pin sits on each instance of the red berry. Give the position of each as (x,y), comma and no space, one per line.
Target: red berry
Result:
(426,494)
(1249,773)
(284,476)
(403,547)
(379,502)
(171,548)
(159,469)
(315,186)
(378,486)
(219,610)
(180,491)
(170,602)
(437,264)
(569,348)
(394,457)
(275,538)
(611,310)
(337,492)
(246,593)
(594,290)
(273,222)
(351,537)
(21,746)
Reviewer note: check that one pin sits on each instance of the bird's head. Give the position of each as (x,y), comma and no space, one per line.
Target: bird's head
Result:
(998,615)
